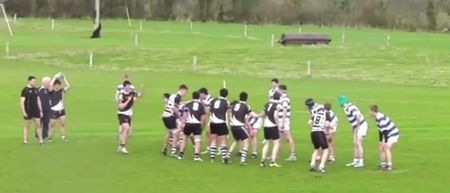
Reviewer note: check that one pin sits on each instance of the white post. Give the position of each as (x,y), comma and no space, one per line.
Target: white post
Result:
(343,36)
(245,31)
(308,70)
(224,84)
(141,26)
(194,63)
(15,18)
(388,41)
(6,20)
(136,39)
(53,25)
(299,29)
(272,43)
(91,59)
(7,48)
(128,13)
(191,26)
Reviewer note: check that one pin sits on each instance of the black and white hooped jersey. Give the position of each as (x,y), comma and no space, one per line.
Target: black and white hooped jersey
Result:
(194,110)
(218,110)
(57,100)
(207,102)
(255,122)
(123,97)
(316,108)
(272,91)
(318,119)
(270,110)
(385,125)
(173,102)
(354,115)
(285,103)
(239,113)
(331,117)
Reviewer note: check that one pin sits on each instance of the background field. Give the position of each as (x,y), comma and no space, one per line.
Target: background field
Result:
(409,80)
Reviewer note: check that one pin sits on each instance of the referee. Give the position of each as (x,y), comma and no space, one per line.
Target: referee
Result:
(31,109)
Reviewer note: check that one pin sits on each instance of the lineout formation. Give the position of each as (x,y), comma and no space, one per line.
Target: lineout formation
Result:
(185,120)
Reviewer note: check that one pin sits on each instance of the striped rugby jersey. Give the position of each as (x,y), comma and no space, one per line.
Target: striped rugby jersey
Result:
(385,125)
(285,103)
(272,91)
(239,113)
(253,120)
(270,111)
(173,102)
(207,102)
(354,115)
(316,108)
(123,97)
(195,111)
(331,117)
(318,120)
(218,110)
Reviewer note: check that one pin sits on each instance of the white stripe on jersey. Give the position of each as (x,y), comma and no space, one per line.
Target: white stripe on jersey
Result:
(207,101)
(354,116)
(384,123)
(255,122)
(128,112)
(334,118)
(168,109)
(285,103)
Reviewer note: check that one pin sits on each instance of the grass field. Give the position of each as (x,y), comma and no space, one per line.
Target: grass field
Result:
(409,80)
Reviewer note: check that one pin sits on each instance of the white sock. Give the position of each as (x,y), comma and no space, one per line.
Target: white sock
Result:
(361,161)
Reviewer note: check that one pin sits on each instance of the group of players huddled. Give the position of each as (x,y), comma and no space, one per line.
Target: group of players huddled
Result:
(185,120)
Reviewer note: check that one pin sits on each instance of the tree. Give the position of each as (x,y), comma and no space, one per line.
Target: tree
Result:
(431,15)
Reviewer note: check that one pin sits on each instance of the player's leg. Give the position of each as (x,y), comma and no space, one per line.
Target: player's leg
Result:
(197,131)
(26,129)
(324,147)
(264,153)
(209,139)
(359,152)
(254,142)
(244,151)
(123,138)
(330,140)
(186,133)
(222,139)
(174,143)
(316,145)
(213,142)
(37,124)
(275,149)
(291,142)
(388,150)
(355,152)
(62,121)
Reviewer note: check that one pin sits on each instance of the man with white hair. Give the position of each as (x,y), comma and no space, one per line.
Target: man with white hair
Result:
(44,95)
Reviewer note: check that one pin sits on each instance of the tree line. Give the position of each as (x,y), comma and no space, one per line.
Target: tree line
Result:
(395,14)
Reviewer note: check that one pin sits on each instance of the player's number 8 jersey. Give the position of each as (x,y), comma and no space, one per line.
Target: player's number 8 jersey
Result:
(318,121)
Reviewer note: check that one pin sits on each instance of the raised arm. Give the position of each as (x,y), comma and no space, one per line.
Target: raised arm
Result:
(67,85)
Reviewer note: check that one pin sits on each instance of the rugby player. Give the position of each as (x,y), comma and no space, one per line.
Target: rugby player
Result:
(206,99)
(318,124)
(170,117)
(274,87)
(30,105)
(58,112)
(240,127)
(389,135)
(271,131)
(127,98)
(359,126)
(219,111)
(119,88)
(331,131)
(195,119)
(284,116)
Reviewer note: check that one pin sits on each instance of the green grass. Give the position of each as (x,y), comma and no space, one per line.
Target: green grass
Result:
(409,80)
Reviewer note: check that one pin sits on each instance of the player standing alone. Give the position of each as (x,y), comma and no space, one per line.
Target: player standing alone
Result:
(30,105)
(195,115)
(389,135)
(359,126)
(127,98)
(284,117)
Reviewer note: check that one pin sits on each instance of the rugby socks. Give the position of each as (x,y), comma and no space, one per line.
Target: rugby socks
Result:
(212,152)
(383,164)
(244,156)
(223,151)
(196,155)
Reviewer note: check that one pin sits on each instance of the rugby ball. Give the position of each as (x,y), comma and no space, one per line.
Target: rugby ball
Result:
(59,75)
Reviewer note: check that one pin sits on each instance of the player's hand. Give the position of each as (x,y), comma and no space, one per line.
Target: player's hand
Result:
(41,115)
(25,114)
